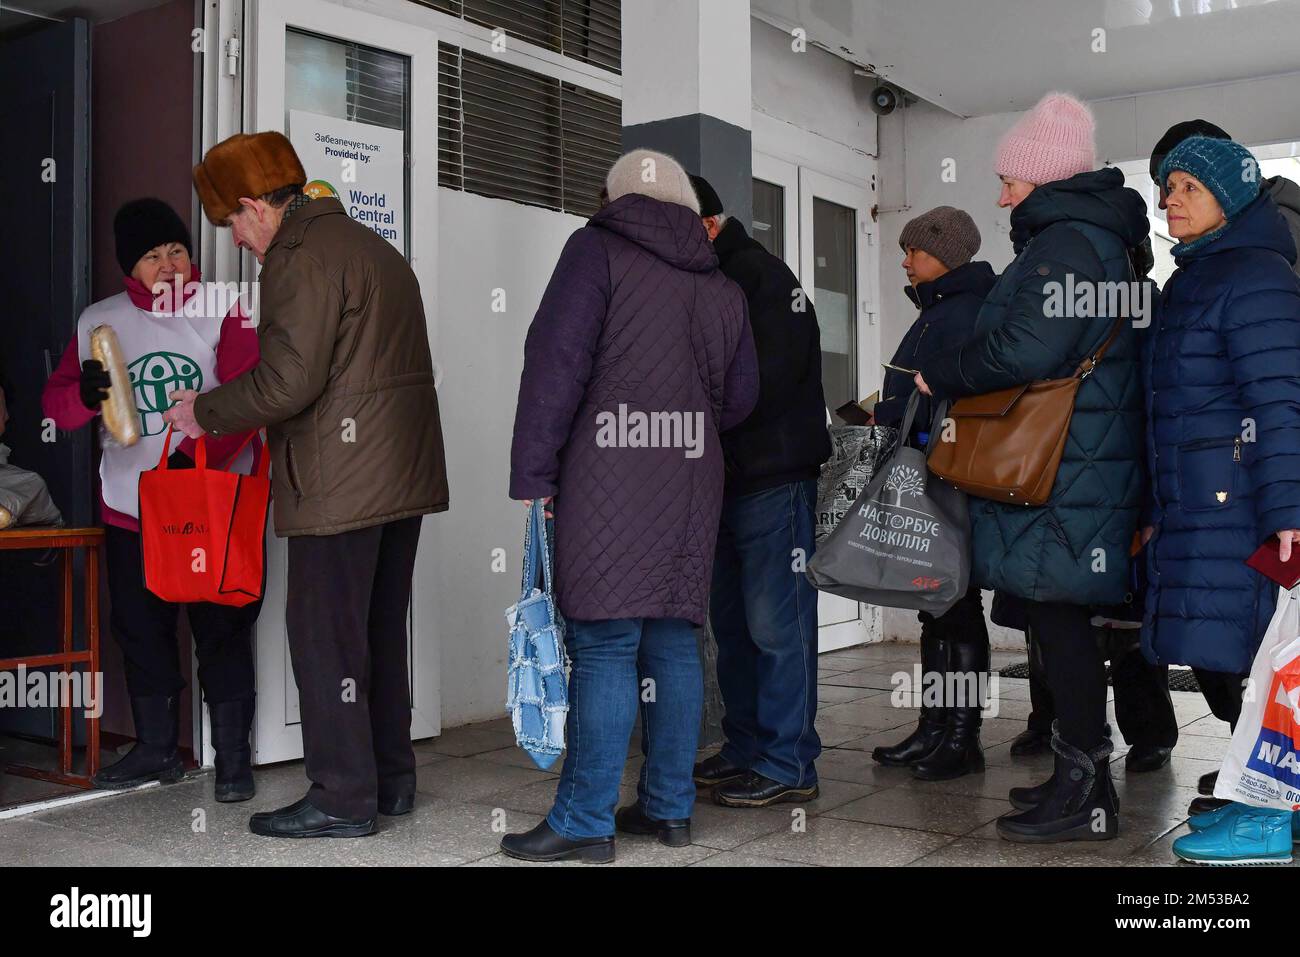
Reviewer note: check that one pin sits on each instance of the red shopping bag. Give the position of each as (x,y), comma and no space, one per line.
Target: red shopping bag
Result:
(203,531)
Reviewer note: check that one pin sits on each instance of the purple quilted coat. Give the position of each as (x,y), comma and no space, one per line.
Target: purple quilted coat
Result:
(637,326)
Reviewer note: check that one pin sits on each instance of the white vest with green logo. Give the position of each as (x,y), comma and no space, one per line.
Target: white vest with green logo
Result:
(163,353)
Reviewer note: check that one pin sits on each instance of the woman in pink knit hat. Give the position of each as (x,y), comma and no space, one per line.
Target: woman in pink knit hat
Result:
(1072,226)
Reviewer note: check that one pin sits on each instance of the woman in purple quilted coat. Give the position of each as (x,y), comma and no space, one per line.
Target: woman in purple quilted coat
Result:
(639,355)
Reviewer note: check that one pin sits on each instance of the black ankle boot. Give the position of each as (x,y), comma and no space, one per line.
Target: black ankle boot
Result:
(1081,804)
(154,756)
(1022,799)
(232,722)
(960,752)
(934,718)
(543,844)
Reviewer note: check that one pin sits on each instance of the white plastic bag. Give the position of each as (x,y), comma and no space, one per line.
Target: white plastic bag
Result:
(1262,768)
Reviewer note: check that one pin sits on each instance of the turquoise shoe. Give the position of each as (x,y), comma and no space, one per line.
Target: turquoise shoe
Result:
(1200,822)
(1242,835)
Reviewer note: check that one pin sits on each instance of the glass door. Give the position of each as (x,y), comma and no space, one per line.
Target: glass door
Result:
(836,258)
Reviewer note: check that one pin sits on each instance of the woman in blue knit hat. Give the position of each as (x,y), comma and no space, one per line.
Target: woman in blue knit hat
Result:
(1222,368)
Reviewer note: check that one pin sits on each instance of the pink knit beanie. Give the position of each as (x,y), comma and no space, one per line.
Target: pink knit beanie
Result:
(1052,141)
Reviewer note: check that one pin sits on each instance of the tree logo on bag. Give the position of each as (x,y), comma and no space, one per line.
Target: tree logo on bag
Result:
(156,375)
(904,480)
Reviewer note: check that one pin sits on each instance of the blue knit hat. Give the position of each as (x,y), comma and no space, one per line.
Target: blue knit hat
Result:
(1228,170)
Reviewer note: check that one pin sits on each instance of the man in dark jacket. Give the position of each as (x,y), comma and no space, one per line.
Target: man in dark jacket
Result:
(949,289)
(345,388)
(762,607)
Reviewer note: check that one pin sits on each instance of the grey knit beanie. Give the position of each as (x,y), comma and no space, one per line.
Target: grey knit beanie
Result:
(946,233)
(652,174)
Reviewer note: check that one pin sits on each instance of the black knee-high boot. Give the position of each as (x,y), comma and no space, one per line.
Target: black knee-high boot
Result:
(960,752)
(232,722)
(933,722)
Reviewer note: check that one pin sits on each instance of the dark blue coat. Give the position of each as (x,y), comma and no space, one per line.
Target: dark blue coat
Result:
(948,307)
(1225,351)
(1076,547)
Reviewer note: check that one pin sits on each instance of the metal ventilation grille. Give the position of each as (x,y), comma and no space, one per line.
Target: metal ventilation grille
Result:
(450,142)
(591,130)
(593,32)
(587,30)
(511,133)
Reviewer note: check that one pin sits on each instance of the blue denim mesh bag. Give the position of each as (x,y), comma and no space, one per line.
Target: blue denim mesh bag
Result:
(537,696)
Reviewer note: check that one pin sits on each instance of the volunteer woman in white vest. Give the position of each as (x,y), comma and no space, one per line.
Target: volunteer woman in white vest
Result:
(164,349)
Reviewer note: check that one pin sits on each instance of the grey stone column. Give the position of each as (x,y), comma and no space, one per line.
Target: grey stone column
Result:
(687,93)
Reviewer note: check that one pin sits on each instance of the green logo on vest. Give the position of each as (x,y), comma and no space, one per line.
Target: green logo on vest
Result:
(153,377)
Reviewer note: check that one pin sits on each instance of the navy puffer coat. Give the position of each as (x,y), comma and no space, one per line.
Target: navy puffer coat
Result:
(1222,366)
(1067,234)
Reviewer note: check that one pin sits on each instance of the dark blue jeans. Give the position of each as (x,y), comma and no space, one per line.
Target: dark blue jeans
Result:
(618,666)
(763,611)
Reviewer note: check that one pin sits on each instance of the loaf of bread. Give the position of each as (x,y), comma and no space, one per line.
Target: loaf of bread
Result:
(6,518)
(120,417)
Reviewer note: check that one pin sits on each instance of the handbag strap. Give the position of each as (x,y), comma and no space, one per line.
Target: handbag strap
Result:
(1090,362)
(537,550)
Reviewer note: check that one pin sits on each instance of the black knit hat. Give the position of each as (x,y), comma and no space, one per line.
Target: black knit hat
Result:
(710,201)
(1179,132)
(142,224)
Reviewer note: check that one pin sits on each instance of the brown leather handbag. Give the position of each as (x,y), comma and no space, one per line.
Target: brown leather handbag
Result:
(1007,445)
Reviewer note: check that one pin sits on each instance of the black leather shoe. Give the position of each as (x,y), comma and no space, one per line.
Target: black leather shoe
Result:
(1145,757)
(754,790)
(543,844)
(672,833)
(396,806)
(1205,784)
(301,819)
(717,770)
(1031,742)
(1202,804)
(153,757)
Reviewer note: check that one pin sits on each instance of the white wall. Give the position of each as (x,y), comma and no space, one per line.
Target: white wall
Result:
(484,244)
(811,90)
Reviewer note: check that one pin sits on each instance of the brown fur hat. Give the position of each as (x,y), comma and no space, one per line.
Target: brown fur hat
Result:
(245,165)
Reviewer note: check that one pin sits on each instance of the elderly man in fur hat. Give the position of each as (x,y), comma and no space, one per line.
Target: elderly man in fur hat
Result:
(345,389)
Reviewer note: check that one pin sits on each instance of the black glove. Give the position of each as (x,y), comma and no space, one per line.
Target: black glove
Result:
(95,383)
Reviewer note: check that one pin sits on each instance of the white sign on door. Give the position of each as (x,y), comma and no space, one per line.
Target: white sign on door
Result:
(360,165)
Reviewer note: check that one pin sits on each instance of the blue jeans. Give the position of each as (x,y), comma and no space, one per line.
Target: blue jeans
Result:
(763,611)
(618,665)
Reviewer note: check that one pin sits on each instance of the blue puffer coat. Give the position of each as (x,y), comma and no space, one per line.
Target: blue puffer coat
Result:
(1075,548)
(1223,354)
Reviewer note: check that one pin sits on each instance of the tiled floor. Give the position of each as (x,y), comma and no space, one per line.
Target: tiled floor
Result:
(474,785)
